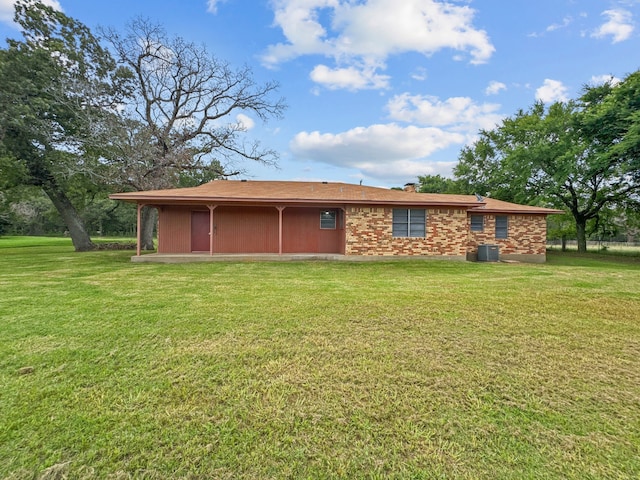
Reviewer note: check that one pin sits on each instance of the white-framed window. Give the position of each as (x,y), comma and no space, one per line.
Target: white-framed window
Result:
(502,226)
(477,223)
(328,219)
(409,222)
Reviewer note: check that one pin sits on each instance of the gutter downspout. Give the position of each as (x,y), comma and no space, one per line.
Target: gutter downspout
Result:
(280,209)
(211,209)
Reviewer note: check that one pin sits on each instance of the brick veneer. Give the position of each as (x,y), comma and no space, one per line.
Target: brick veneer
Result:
(368,233)
(527,235)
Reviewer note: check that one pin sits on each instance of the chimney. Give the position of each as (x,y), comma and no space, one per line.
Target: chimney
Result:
(410,187)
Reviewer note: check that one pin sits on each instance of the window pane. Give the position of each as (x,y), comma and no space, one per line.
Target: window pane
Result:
(400,230)
(502,226)
(477,223)
(416,230)
(417,222)
(409,222)
(400,222)
(400,215)
(328,219)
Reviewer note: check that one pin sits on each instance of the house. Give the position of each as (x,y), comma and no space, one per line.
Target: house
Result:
(337,220)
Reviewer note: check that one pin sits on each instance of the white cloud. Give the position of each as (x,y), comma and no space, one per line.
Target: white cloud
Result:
(494,88)
(368,32)
(381,151)
(350,78)
(552,91)
(420,74)
(7,9)
(382,27)
(566,21)
(245,122)
(619,26)
(401,171)
(393,151)
(457,114)
(212,5)
(602,79)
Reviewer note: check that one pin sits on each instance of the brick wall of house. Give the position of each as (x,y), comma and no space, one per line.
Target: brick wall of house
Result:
(369,233)
(527,235)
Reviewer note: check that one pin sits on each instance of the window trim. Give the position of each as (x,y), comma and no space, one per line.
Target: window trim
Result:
(420,216)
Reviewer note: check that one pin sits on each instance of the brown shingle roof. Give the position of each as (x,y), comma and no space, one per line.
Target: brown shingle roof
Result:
(492,205)
(287,193)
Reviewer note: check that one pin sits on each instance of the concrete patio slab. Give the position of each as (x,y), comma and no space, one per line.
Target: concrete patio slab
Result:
(287,257)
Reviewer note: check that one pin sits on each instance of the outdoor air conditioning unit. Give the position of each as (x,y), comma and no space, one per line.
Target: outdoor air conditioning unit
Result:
(488,253)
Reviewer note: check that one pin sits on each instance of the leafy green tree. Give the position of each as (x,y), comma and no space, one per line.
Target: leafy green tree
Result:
(56,87)
(200,175)
(581,155)
(30,212)
(611,117)
(562,227)
(480,170)
(5,214)
(439,184)
(629,221)
(107,218)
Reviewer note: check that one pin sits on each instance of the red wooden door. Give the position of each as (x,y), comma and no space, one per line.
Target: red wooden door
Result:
(199,231)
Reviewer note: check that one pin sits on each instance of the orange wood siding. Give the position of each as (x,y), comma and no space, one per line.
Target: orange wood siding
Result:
(174,230)
(248,230)
(245,230)
(301,232)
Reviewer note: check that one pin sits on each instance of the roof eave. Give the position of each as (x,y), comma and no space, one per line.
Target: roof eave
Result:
(280,201)
(542,211)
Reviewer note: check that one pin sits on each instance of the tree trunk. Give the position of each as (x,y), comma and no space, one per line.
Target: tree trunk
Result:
(564,243)
(79,236)
(581,233)
(147,227)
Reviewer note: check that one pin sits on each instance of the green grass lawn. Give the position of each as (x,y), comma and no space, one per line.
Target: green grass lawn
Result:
(316,369)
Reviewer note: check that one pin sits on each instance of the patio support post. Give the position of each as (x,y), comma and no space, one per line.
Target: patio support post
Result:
(280,209)
(211,209)
(343,223)
(138,228)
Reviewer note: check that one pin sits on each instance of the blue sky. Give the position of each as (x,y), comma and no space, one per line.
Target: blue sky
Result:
(385,90)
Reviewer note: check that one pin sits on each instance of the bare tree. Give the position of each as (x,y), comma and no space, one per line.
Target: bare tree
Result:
(182,109)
